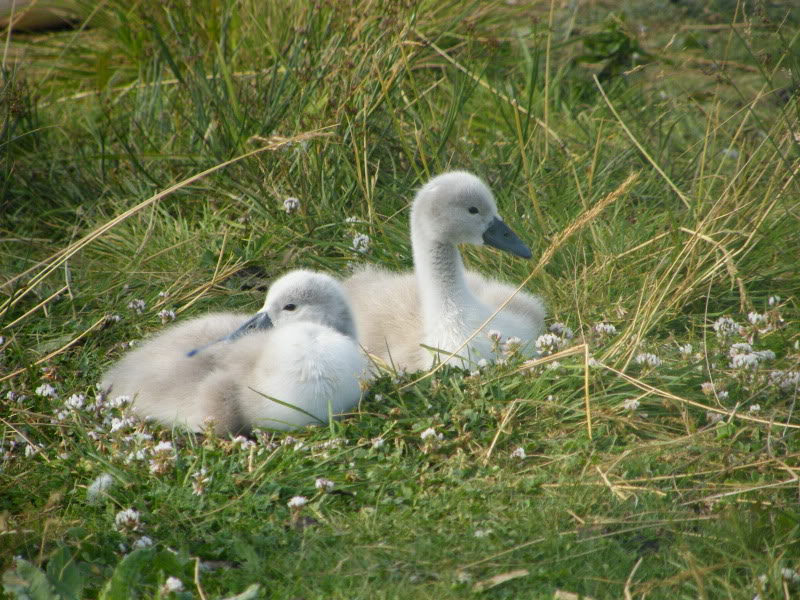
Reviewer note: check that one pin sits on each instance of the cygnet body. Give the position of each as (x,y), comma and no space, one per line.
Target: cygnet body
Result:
(296,362)
(440,305)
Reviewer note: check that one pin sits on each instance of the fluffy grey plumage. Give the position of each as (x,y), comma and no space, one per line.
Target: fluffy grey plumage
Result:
(310,360)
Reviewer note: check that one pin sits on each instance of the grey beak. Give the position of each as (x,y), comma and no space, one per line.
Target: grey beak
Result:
(258,322)
(499,235)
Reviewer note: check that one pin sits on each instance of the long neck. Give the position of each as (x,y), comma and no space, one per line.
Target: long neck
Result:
(441,286)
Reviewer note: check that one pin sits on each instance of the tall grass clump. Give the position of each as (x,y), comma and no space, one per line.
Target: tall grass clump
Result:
(649,156)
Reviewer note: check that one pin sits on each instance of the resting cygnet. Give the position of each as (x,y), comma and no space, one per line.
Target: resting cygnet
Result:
(440,305)
(296,362)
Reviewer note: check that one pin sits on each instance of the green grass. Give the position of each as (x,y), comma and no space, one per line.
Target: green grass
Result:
(352,108)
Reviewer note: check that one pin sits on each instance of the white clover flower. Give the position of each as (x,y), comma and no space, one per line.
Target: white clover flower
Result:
(242,442)
(708,388)
(754,408)
(127,520)
(361,243)
(297,502)
(648,360)
(351,220)
(378,397)
(725,327)
(113,318)
(631,404)
(790,574)
(31,450)
(76,401)
(137,306)
(482,533)
(593,362)
(378,442)
(494,335)
(429,433)
(512,345)
(46,391)
(773,300)
(605,329)
(166,316)
(722,395)
(62,415)
(291,205)
(324,485)
(162,447)
(173,584)
(764,355)
(164,294)
(143,542)
(101,483)
(787,381)
(741,348)
(549,343)
(714,417)
(744,361)
(755,318)
(119,401)
(201,478)
(519,453)
(685,349)
(562,330)
(118,424)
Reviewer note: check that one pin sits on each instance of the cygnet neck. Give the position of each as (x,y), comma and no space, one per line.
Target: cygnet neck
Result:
(441,284)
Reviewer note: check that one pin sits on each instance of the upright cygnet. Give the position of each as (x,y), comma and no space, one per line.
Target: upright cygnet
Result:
(296,362)
(440,305)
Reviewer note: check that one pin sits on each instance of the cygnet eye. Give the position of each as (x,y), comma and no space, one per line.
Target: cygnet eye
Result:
(473,210)
(289,307)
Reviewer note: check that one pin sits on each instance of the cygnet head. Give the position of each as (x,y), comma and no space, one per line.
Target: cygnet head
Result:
(458,208)
(311,297)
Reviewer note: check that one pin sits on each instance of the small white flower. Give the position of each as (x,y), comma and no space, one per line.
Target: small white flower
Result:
(730,153)
(361,243)
(351,220)
(323,485)
(482,533)
(605,329)
(764,355)
(137,306)
(708,388)
(787,381)
(62,415)
(562,330)
(201,478)
(593,362)
(378,398)
(127,520)
(378,442)
(685,349)
(790,574)
(512,345)
(549,343)
(166,316)
(754,408)
(119,401)
(46,391)
(297,502)
(118,424)
(143,542)
(519,453)
(163,294)
(744,361)
(291,205)
(162,447)
(494,335)
(242,442)
(725,327)
(76,401)
(99,485)
(714,417)
(113,318)
(773,300)
(429,433)
(631,404)
(31,450)
(173,584)
(755,318)
(722,396)
(648,359)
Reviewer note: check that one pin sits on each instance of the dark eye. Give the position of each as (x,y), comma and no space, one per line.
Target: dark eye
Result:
(289,307)
(473,210)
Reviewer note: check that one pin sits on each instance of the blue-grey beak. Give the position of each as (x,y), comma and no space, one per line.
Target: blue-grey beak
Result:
(258,322)
(499,235)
